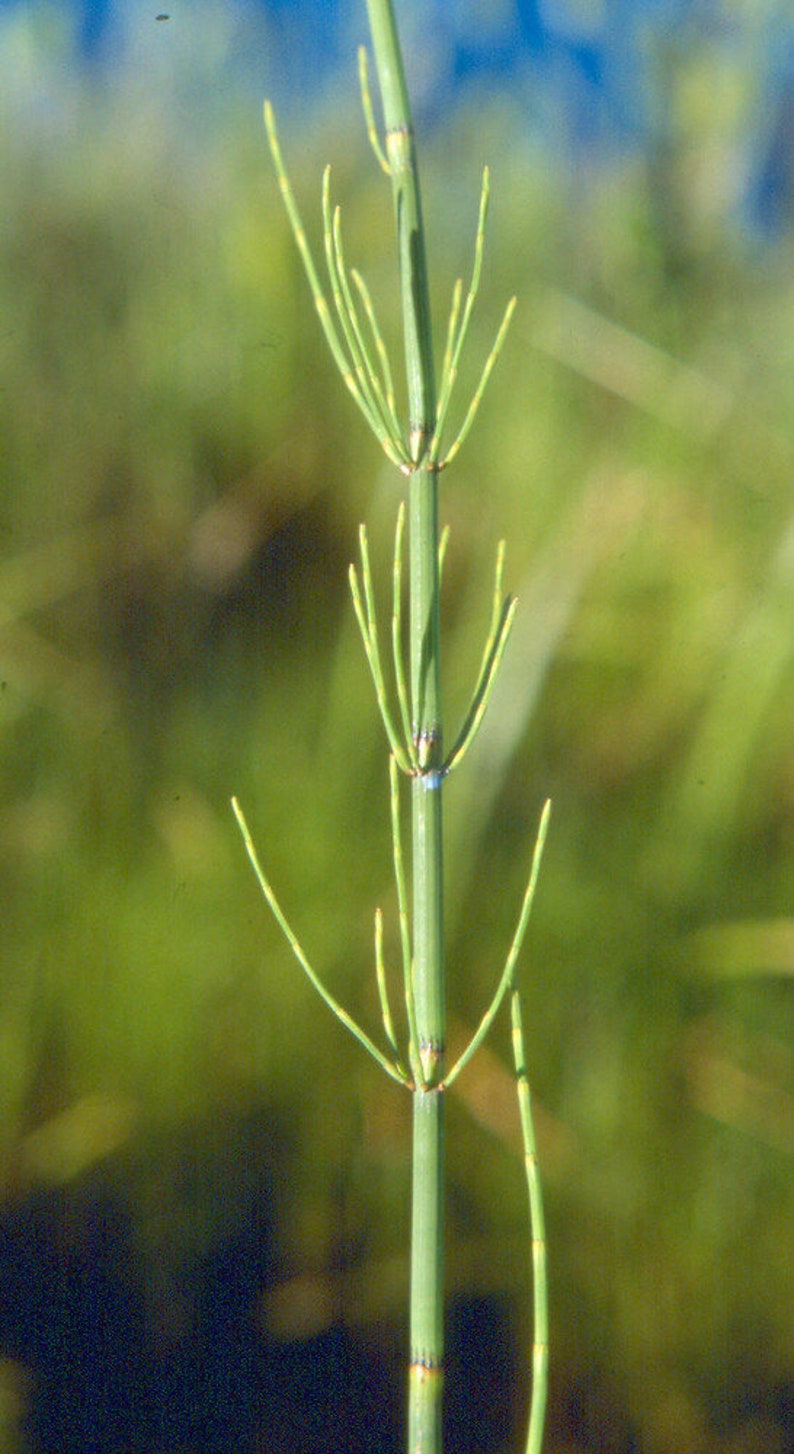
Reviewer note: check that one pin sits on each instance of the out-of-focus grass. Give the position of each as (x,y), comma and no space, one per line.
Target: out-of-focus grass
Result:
(182,482)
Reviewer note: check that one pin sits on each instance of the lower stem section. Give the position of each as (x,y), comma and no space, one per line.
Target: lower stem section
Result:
(427,1276)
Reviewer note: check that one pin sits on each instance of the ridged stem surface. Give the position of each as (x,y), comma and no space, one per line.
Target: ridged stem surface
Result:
(427,1224)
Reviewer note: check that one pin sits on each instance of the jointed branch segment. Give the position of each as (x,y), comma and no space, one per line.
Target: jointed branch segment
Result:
(502,616)
(507,980)
(396,1068)
(540,1344)
(416,1080)
(392,1069)
(369,114)
(457,337)
(368,375)
(404,749)
(403,752)
(414,1043)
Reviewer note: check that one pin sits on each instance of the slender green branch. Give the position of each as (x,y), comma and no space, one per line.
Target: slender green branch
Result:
(299,233)
(540,1342)
(369,114)
(333,1004)
(388,382)
(502,615)
(515,949)
(353,372)
(456,338)
(373,393)
(442,551)
(345,312)
(454,349)
(482,693)
(383,995)
(368,626)
(481,387)
(397,637)
(405,931)
(496,600)
(447,366)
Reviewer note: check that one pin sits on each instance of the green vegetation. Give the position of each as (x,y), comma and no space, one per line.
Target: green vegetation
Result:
(418,750)
(181,486)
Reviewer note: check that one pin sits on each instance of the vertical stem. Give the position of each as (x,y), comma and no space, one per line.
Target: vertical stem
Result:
(427,1226)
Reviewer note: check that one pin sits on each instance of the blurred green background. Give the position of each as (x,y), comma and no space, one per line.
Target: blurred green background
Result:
(182,478)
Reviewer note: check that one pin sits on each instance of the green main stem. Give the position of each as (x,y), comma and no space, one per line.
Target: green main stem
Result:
(427,1226)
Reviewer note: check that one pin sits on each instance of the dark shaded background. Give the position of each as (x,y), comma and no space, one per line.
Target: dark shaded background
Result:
(204,1185)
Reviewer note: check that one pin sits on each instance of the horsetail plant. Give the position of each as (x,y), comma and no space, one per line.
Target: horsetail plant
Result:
(412,723)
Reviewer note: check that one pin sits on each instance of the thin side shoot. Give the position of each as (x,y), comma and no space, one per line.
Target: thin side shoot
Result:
(397,638)
(383,995)
(508,972)
(368,626)
(414,1055)
(357,371)
(481,387)
(369,114)
(291,937)
(455,344)
(540,1344)
(299,233)
(502,616)
(369,384)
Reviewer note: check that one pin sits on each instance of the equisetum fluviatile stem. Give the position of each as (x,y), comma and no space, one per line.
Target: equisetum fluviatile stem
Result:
(427,1217)
(413,728)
